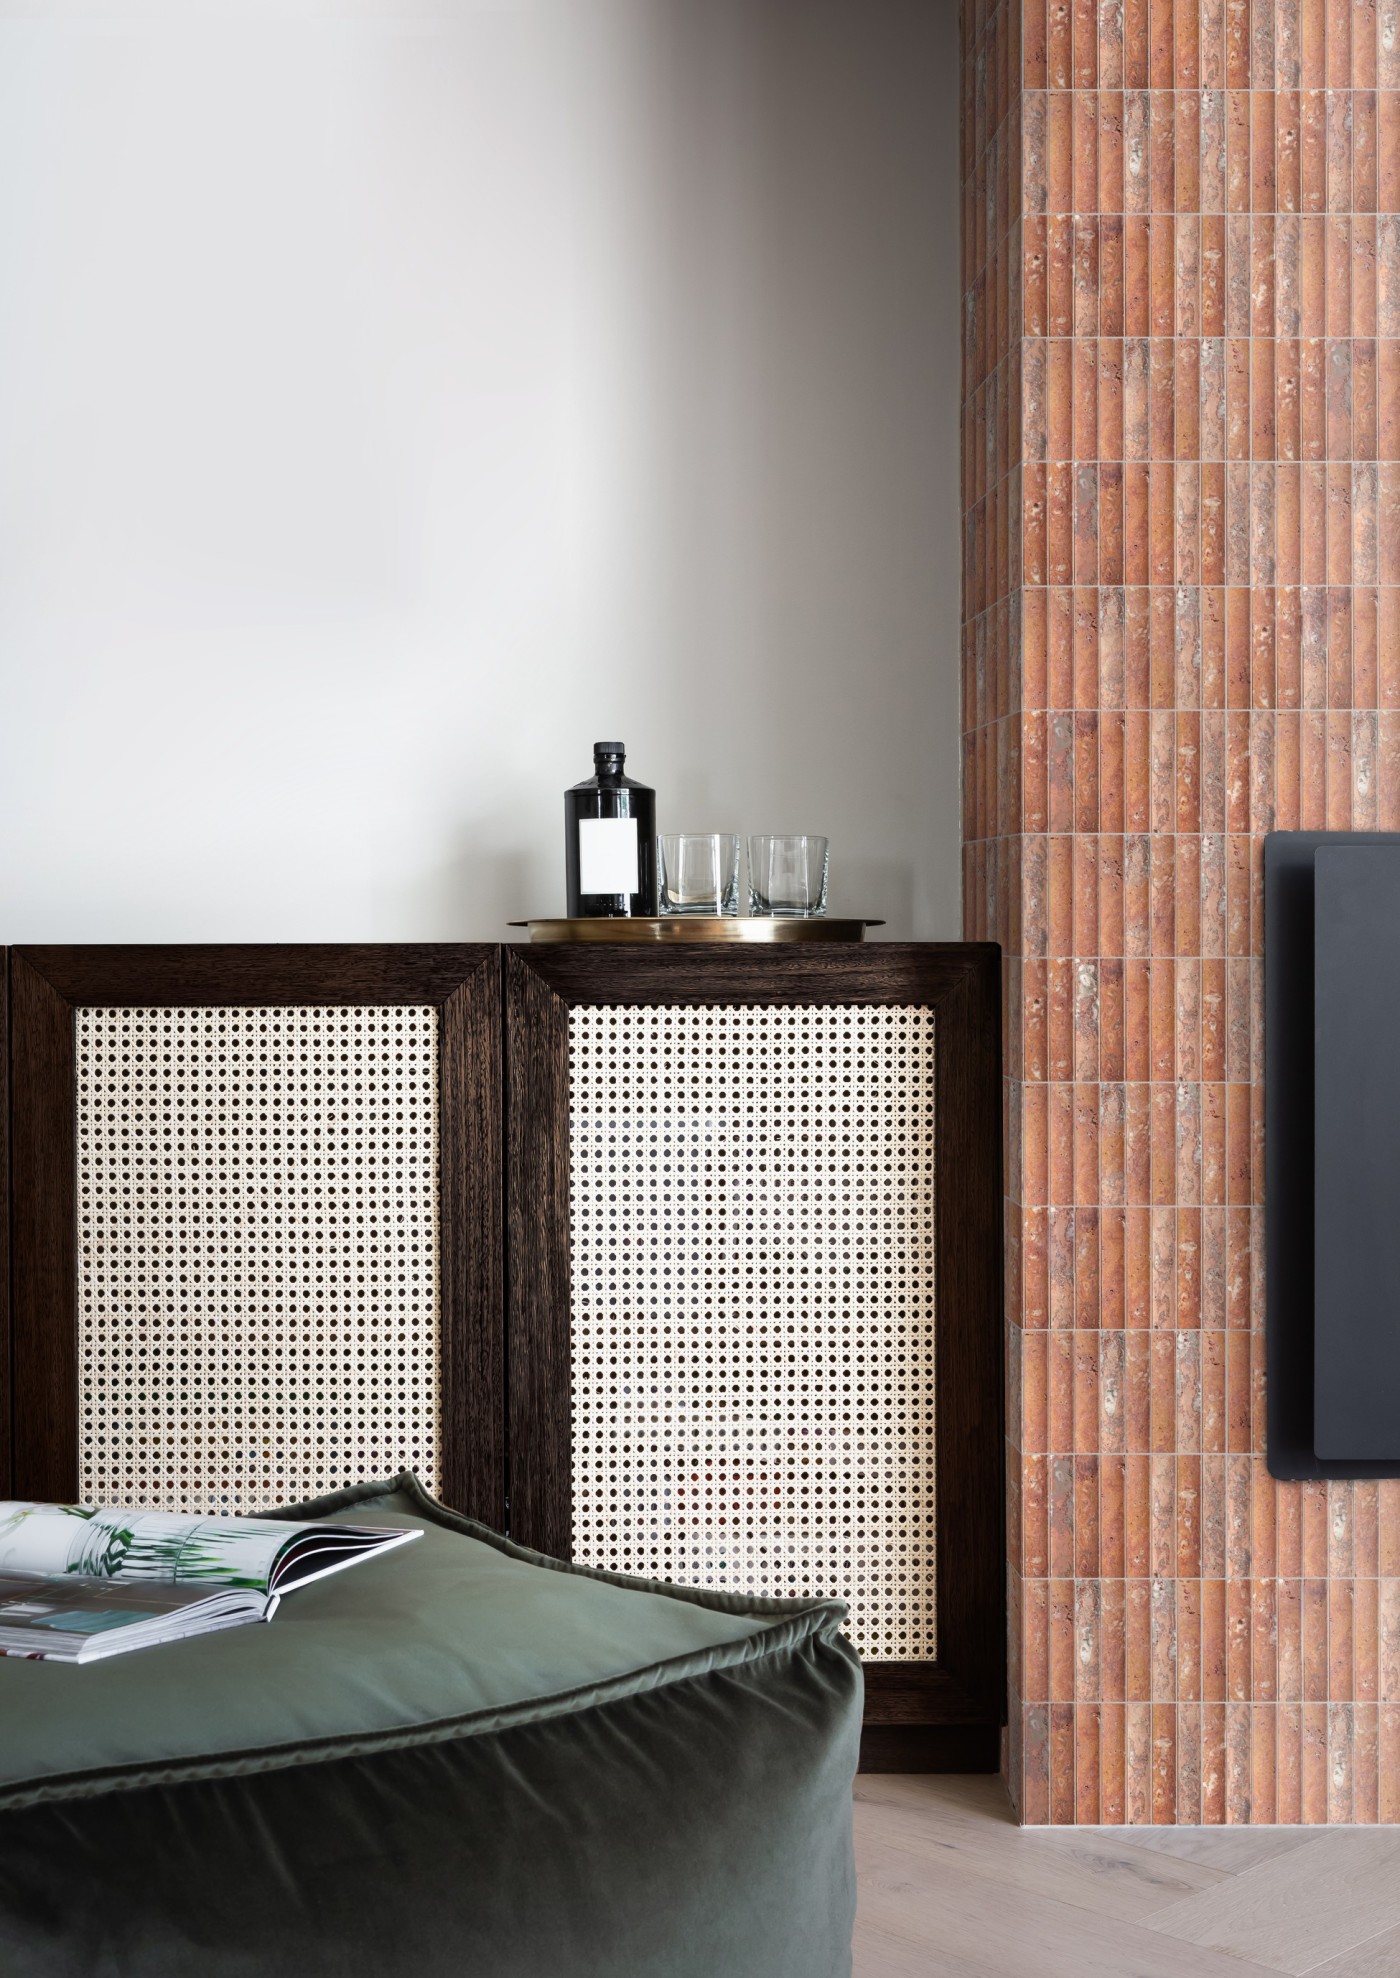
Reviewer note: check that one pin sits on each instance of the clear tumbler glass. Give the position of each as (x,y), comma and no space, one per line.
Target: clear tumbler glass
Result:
(699,872)
(787,875)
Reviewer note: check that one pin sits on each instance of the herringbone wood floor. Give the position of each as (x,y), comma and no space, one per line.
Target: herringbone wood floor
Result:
(950,1887)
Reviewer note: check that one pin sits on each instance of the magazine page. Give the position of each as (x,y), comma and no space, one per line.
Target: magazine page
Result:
(315,1550)
(131,1546)
(76,1618)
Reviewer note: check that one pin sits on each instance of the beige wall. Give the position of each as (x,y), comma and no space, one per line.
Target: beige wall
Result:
(394,399)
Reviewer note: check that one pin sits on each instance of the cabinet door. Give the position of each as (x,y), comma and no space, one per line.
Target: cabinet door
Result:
(754,1331)
(255,1223)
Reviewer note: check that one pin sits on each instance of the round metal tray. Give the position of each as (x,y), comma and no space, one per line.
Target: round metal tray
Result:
(697,927)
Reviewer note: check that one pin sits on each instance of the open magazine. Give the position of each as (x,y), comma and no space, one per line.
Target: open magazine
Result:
(77,1585)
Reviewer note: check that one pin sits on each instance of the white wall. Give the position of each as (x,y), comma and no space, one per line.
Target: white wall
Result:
(393,400)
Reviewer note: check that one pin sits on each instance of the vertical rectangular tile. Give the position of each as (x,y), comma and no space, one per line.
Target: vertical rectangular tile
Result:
(1198,533)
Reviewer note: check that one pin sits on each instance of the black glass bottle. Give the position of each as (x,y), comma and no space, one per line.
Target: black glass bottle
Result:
(610,841)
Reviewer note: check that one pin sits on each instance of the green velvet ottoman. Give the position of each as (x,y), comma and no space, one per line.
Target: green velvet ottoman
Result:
(461,1758)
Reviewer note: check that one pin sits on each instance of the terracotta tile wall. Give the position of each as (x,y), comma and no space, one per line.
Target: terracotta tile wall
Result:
(1181,467)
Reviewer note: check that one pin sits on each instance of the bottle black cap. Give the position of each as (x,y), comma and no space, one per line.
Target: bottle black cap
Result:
(609,748)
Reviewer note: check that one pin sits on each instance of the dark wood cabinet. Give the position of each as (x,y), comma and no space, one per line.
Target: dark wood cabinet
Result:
(686,1262)
(144,1143)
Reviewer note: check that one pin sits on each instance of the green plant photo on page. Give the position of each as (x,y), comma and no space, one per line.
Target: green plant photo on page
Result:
(77,1585)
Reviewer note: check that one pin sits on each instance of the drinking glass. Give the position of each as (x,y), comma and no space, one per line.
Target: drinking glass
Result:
(699,872)
(787,876)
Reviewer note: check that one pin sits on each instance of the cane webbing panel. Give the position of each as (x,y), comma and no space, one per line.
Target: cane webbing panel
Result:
(257,1253)
(753,1305)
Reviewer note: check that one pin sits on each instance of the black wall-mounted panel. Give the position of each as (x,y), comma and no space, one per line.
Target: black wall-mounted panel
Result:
(1356,1152)
(1302,1139)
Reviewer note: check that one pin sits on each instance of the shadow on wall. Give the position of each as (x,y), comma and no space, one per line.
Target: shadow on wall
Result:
(478,887)
(592,366)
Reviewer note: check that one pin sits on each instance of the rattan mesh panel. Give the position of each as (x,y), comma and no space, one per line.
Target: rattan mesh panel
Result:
(257,1244)
(753,1305)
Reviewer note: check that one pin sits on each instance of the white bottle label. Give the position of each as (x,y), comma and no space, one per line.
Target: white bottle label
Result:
(607,855)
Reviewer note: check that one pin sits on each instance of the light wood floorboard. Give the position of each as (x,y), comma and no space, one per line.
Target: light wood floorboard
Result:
(1292,1914)
(951,1887)
(1230,1849)
(878,1954)
(1088,1867)
(977,1925)
(1378,1957)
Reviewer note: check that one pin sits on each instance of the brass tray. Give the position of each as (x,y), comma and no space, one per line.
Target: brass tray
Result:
(697,927)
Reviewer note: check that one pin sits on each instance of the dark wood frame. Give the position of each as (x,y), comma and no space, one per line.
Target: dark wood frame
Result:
(47,985)
(505,1263)
(919,1715)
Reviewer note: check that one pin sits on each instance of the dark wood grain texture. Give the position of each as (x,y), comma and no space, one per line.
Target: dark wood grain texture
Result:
(43,1235)
(971,1430)
(915,1692)
(965,1689)
(470,1241)
(537,1260)
(912,972)
(930,1748)
(252,975)
(461,981)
